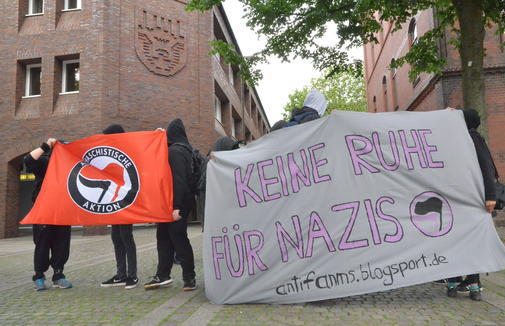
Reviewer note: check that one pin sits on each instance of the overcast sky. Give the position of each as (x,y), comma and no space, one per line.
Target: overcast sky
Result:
(279,79)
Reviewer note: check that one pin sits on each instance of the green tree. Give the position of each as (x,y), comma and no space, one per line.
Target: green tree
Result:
(343,90)
(292,27)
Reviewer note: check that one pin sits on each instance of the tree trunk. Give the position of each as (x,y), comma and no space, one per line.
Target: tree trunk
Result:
(471,50)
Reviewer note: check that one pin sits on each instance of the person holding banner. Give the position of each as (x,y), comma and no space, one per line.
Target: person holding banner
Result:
(52,242)
(124,244)
(314,106)
(489,173)
(173,236)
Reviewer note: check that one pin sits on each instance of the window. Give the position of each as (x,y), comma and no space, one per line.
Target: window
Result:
(230,74)
(395,86)
(412,32)
(236,128)
(71,76)
(72,4)
(233,133)
(33,74)
(385,90)
(393,69)
(217,108)
(35,7)
(374,104)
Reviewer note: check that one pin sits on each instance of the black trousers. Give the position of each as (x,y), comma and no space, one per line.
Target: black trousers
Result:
(52,248)
(170,237)
(125,250)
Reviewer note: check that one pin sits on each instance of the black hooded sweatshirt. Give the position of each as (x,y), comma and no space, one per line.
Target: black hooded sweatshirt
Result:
(39,168)
(484,157)
(179,157)
(224,143)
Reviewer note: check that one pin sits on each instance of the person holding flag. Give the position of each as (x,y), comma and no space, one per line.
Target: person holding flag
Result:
(173,236)
(52,242)
(125,249)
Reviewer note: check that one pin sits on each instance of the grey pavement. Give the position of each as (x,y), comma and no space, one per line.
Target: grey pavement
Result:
(92,261)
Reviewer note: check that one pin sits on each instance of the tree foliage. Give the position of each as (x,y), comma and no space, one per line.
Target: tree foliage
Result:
(292,29)
(343,90)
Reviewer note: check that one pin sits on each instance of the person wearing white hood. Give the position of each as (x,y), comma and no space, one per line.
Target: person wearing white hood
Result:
(314,106)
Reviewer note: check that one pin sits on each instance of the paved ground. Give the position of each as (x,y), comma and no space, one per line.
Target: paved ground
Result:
(92,261)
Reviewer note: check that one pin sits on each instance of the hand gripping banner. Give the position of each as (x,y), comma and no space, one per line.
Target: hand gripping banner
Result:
(106,179)
(344,205)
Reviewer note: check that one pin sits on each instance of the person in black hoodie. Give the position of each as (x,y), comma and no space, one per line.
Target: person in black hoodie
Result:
(52,242)
(124,244)
(489,174)
(173,236)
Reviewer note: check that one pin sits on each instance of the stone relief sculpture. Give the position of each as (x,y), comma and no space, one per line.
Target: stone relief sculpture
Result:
(160,43)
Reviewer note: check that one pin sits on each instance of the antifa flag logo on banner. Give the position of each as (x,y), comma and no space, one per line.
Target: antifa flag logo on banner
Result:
(97,180)
(106,181)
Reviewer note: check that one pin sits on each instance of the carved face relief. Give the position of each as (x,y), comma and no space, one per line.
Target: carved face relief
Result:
(159,43)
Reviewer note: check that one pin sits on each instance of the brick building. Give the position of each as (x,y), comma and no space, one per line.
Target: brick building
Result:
(390,89)
(69,68)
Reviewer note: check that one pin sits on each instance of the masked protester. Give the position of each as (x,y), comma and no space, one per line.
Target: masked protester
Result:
(52,242)
(173,236)
(125,249)
(314,106)
(472,282)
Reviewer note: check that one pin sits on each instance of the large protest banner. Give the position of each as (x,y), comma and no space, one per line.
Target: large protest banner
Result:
(344,205)
(106,179)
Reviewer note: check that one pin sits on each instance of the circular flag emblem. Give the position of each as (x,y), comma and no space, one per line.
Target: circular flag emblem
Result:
(104,182)
(431,214)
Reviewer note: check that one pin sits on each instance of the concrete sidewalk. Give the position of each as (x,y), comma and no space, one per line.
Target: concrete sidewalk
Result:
(92,261)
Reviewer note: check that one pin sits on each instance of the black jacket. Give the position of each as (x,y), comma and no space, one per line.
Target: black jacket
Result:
(487,167)
(39,168)
(304,114)
(180,159)
(486,164)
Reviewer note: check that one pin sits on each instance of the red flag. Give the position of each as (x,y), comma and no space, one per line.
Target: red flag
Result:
(106,179)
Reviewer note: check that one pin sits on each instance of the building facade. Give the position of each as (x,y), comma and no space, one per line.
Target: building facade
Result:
(391,90)
(69,68)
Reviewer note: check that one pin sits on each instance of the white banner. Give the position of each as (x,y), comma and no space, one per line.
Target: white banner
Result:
(344,205)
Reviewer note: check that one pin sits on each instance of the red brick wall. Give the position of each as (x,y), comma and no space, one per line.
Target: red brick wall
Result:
(439,92)
(115,86)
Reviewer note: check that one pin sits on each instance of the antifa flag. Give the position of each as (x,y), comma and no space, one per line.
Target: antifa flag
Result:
(106,179)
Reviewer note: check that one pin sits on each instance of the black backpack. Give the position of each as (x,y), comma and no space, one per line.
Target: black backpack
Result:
(198,169)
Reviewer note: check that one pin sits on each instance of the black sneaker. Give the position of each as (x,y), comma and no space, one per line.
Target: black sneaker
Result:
(157,281)
(131,282)
(114,281)
(189,285)
(475,295)
(452,292)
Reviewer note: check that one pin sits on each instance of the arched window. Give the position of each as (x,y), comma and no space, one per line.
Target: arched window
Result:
(395,86)
(412,32)
(412,41)
(385,92)
(374,104)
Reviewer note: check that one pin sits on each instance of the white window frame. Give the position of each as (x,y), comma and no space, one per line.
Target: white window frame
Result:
(28,79)
(64,76)
(218,110)
(31,6)
(65,6)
